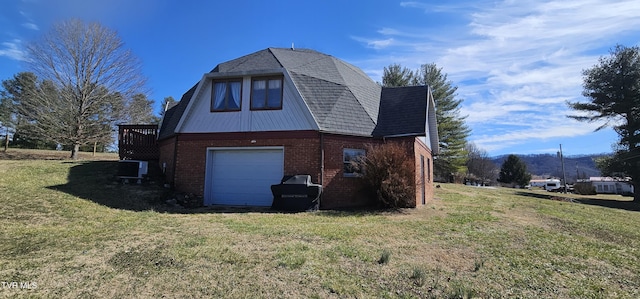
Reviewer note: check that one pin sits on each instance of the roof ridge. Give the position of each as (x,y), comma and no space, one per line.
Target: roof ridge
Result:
(305,50)
(275,56)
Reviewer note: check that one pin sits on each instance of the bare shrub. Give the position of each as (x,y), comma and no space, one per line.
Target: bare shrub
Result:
(584,189)
(388,170)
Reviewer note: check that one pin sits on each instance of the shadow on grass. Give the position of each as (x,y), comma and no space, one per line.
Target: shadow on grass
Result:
(627,205)
(97,181)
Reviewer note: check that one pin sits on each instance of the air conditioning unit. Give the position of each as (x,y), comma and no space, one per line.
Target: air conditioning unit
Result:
(132,169)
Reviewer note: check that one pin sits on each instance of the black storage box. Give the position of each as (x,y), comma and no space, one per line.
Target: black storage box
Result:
(296,193)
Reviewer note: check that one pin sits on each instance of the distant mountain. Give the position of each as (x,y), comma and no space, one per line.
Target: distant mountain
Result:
(548,165)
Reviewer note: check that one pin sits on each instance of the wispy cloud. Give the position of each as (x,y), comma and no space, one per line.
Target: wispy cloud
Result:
(516,63)
(13,49)
(30,25)
(375,43)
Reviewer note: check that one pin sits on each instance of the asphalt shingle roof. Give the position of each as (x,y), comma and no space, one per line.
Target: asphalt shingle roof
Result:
(340,96)
(403,110)
(172,116)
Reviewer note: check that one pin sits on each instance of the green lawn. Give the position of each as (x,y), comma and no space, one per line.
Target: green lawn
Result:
(69,229)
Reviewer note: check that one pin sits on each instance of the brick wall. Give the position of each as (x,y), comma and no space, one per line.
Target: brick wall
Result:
(420,149)
(302,155)
(341,191)
(417,150)
(165,160)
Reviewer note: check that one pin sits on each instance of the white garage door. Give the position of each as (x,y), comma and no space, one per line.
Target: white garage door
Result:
(243,177)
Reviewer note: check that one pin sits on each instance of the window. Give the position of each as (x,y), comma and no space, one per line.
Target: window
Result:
(266,93)
(349,157)
(226,95)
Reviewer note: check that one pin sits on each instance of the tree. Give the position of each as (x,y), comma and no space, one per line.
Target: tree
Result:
(514,172)
(6,111)
(88,77)
(613,90)
(14,93)
(396,76)
(167,103)
(452,130)
(479,165)
(140,110)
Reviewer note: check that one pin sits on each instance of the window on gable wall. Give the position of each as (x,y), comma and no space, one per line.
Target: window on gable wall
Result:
(226,95)
(266,93)
(349,157)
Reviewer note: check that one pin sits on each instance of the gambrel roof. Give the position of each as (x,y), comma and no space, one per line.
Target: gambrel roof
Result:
(341,98)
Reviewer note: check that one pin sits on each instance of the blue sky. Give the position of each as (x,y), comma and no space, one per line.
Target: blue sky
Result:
(515,63)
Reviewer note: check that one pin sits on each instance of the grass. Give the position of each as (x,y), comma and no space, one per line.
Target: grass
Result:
(70,229)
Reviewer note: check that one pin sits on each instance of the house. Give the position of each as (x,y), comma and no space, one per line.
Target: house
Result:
(609,185)
(279,111)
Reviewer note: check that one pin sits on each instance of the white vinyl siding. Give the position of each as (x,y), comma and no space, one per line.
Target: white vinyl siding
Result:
(294,115)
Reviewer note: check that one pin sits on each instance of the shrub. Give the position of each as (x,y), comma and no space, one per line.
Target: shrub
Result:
(388,171)
(584,189)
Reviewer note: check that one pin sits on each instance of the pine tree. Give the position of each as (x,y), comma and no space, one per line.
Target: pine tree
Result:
(613,88)
(452,130)
(514,172)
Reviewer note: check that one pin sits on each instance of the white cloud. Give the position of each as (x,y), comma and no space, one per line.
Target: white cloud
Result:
(31,26)
(515,63)
(13,49)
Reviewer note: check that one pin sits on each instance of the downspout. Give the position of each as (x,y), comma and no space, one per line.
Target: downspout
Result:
(175,159)
(321,167)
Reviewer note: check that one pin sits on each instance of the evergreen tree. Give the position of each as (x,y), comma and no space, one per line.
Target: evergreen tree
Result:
(15,96)
(167,104)
(452,130)
(514,172)
(396,76)
(140,110)
(613,88)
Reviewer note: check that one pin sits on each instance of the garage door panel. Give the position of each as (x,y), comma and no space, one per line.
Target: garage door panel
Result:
(243,176)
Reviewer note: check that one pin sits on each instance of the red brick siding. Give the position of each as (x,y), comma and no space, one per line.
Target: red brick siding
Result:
(302,155)
(416,148)
(165,160)
(341,191)
(421,149)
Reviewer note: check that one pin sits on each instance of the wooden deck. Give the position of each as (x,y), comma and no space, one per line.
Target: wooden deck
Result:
(138,142)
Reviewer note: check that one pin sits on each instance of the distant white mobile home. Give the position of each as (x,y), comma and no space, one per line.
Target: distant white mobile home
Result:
(609,185)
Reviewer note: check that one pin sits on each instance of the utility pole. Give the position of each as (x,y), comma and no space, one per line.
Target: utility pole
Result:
(564,176)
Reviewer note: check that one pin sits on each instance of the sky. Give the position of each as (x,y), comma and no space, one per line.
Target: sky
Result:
(515,63)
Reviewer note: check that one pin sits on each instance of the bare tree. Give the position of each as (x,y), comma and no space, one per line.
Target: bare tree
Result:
(90,76)
(479,165)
